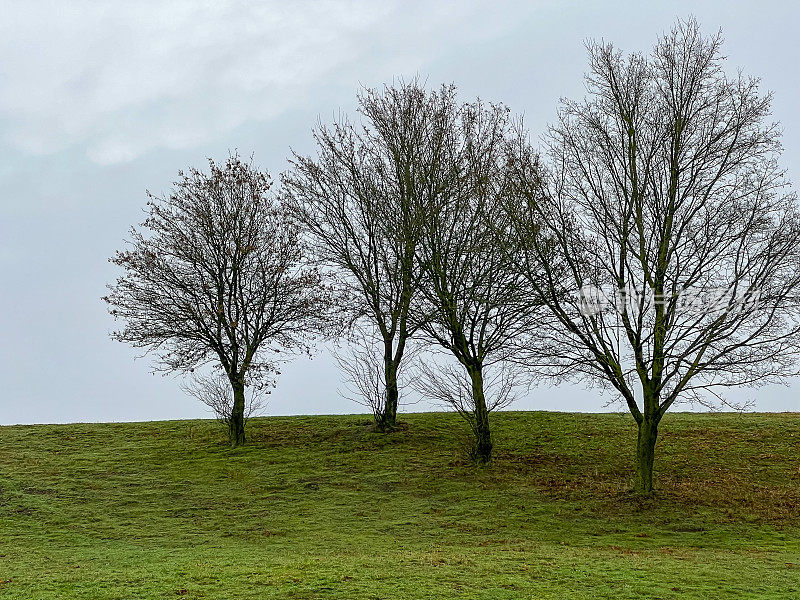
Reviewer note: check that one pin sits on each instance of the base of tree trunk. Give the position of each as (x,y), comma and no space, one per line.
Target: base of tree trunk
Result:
(645,458)
(237,415)
(236,438)
(387,421)
(481,451)
(236,431)
(385,425)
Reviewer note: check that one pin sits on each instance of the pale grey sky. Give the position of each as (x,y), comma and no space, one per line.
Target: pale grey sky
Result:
(99,101)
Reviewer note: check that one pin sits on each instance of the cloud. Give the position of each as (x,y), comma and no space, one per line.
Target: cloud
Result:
(118,79)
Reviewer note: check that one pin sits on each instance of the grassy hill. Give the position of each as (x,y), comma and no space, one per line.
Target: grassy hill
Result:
(322,507)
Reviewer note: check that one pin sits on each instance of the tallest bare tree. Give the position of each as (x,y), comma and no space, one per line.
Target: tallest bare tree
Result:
(679,240)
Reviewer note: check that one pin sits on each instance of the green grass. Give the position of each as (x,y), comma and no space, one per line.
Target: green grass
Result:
(322,507)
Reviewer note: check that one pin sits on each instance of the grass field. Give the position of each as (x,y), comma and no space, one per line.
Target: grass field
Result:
(322,507)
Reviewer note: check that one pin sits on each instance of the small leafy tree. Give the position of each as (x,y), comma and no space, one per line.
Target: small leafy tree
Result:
(677,264)
(217,273)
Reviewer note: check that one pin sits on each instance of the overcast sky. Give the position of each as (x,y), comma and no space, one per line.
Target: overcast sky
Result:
(100,101)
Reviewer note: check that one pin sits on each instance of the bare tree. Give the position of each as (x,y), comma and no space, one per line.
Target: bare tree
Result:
(217,273)
(679,241)
(359,202)
(475,303)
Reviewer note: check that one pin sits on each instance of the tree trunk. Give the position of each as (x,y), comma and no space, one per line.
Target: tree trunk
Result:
(483,437)
(237,415)
(645,455)
(388,418)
